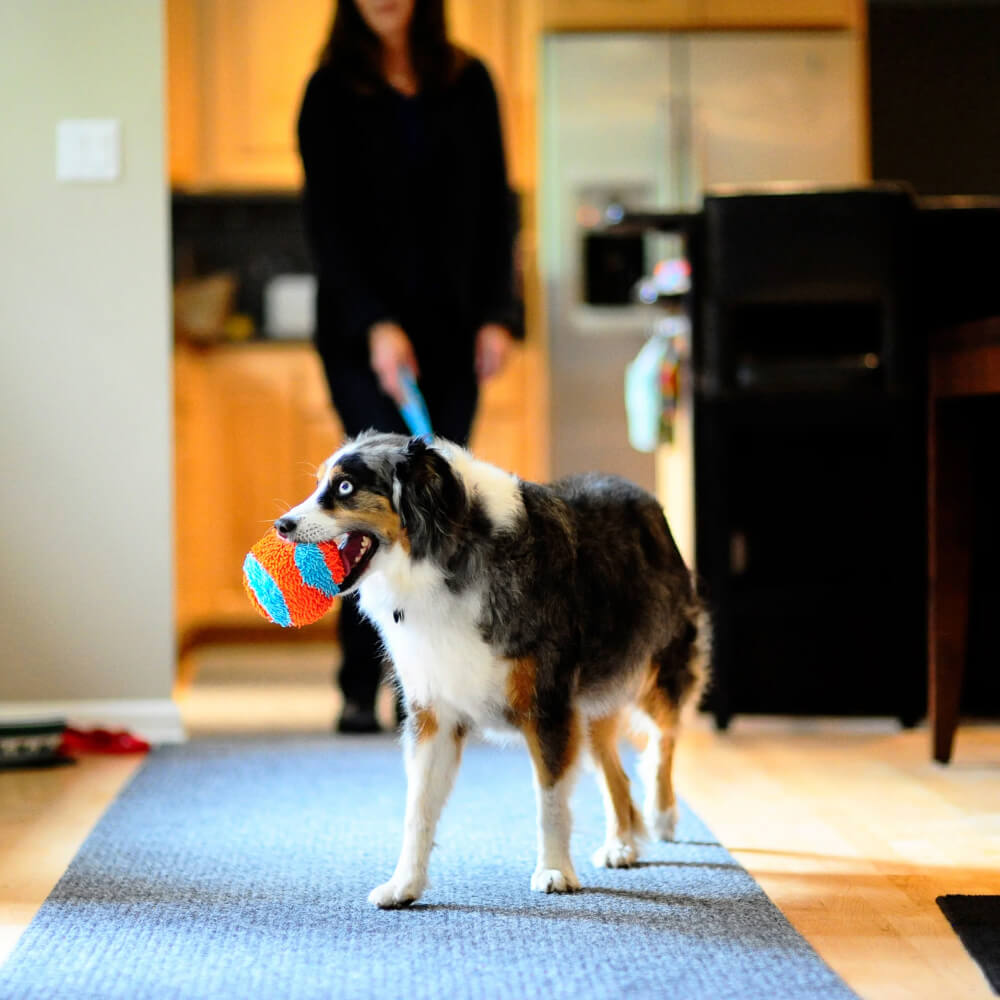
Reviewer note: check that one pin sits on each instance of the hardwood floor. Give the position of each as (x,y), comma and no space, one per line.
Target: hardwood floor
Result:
(44,817)
(853,832)
(848,826)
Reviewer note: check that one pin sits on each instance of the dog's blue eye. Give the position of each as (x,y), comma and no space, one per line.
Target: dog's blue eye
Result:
(346,488)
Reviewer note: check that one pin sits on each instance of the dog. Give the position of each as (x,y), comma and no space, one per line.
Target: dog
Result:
(507,604)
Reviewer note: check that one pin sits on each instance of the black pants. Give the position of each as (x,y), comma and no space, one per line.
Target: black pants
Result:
(361,404)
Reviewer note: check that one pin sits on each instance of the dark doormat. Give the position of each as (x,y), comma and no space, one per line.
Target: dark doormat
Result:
(976,920)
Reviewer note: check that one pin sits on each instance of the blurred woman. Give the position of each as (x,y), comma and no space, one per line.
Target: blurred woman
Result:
(411,224)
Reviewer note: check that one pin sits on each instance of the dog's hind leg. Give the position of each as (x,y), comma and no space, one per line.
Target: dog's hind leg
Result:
(675,676)
(624,824)
(432,751)
(657,761)
(553,739)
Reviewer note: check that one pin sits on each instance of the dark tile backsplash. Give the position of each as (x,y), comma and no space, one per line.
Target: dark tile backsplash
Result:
(254,235)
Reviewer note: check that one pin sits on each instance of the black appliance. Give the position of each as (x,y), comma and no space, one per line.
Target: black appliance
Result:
(613,263)
(809,450)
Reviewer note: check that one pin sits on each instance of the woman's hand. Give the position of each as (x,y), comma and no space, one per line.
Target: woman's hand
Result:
(494,345)
(388,349)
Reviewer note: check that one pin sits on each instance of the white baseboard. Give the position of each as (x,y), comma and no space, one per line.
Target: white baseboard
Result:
(154,719)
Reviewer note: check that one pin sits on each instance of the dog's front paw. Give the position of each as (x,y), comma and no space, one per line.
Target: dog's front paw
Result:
(554,880)
(663,825)
(396,893)
(616,854)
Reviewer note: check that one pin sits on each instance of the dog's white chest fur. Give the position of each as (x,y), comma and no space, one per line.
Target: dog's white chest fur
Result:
(431,636)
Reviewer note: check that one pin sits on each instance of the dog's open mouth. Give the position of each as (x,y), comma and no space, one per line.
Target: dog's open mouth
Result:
(356,551)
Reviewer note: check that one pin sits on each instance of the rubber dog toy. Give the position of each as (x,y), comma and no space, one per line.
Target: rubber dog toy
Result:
(292,583)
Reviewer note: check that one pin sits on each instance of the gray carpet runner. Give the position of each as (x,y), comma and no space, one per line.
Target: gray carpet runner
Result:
(241,869)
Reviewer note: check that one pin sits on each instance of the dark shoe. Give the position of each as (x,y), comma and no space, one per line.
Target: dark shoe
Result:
(355,719)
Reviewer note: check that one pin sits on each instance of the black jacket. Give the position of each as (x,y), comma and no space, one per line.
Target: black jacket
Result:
(408,213)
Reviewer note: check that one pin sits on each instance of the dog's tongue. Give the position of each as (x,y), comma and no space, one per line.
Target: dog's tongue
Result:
(350,551)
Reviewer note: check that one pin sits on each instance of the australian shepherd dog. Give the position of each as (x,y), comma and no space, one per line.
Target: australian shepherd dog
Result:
(559,611)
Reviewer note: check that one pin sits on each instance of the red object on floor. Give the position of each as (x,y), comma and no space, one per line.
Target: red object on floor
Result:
(101,741)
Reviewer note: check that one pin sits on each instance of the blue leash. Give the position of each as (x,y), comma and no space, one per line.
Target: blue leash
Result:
(413,408)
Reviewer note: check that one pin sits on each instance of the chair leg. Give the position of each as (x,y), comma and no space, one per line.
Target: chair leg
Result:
(950,542)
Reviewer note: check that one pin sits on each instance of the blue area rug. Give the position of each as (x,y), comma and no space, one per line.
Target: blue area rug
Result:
(241,869)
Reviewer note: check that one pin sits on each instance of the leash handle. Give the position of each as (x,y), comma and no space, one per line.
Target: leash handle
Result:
(413,408)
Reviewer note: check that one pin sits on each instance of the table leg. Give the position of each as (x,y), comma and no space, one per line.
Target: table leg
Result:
(950,527)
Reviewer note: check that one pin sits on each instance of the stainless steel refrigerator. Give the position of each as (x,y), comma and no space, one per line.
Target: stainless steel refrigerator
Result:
(652,120)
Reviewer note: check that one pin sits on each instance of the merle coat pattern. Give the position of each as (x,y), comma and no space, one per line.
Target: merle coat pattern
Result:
(554,610)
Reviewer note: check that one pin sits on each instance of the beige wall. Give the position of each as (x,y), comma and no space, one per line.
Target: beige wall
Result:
(85,460)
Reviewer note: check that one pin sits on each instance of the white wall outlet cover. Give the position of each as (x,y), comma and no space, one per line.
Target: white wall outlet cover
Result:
(88,149)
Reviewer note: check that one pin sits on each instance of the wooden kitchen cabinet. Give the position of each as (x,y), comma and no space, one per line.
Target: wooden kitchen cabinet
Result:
(252,423)
(618,15)
(237,70)
(680,15)
(256,59)
(781,13)
(236,73)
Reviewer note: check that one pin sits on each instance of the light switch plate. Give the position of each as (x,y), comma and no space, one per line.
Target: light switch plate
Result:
(88,149)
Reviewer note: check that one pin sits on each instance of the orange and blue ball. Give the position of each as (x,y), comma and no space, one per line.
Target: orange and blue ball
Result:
(293,583)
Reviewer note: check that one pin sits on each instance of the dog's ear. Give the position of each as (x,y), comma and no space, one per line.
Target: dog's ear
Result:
(431,500)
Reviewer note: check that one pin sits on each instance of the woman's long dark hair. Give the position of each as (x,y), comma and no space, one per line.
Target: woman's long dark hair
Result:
(354,51)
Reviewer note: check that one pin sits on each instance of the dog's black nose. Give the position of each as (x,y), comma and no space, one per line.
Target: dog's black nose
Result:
(286,526)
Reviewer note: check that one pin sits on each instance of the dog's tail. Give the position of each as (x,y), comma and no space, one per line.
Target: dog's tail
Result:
(684,666)
(681,671)
(699,660)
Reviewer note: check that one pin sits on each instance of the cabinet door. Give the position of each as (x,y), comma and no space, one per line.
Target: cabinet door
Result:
(484,28)
(780,13)
(617,15)
(251,426)
(252,423)
(183,74)
(630,15)
(499,430)
(257,434)
(320,433)
(194,489)
(255,58)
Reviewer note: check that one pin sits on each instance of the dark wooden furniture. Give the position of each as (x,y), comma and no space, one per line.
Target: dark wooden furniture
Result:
(809,453)
(810,314)
(809,416)
(964,364)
